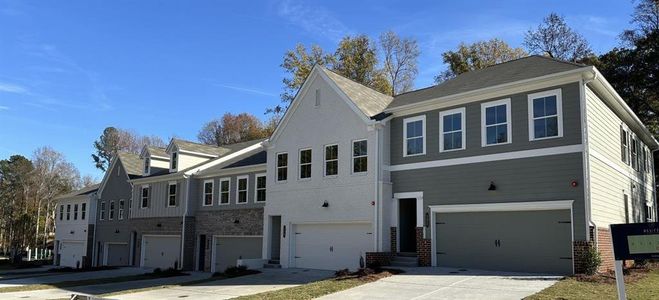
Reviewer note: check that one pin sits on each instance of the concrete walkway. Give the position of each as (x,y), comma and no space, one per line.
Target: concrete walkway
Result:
(449,283)
(61,277)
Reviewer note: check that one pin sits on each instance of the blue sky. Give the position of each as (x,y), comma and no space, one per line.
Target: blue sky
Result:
(68,69)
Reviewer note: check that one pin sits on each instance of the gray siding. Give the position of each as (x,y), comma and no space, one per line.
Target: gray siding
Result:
(158,200)
(520,135)
(517,180)
(116,188)
(197,200)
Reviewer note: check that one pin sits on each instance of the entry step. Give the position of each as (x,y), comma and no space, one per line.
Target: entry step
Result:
(405,260)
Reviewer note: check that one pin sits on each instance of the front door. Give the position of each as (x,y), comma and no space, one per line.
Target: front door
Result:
(202,252)
(275,238)
(407,224)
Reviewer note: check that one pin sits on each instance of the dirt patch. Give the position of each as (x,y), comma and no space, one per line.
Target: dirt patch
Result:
(366,274)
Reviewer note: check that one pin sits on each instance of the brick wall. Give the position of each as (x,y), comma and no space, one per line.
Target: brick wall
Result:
(380,258)
(605,248)
(163,226)
(422,248)
(392,240)
(580,248)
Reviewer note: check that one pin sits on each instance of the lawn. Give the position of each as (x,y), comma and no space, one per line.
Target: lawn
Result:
(645,286)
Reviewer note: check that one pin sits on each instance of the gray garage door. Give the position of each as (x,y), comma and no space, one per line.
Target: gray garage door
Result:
(229,249)
(520,241)
(117,255)
(161,251)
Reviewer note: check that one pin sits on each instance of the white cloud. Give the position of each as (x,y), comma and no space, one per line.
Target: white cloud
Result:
(316,20)
(246,89)
(4,107)
(12,88)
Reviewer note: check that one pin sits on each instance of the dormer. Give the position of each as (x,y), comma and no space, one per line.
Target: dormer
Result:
(185,154)
(154,159)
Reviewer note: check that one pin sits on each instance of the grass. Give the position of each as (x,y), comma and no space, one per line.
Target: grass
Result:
(642,286)
(322,287)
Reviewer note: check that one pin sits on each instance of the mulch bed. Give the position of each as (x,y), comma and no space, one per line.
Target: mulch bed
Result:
(632,274)
(366,274)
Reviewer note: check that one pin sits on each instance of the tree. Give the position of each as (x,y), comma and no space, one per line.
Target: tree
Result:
(356,59)
(646,19)
(88,180)
(232,129)
(400,61)
(114,140)
(476,56)
(14,212)
(554,38)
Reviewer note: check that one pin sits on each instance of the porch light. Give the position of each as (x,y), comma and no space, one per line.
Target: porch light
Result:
(325,204)
(492,186)
(159,225)
(236,221)
(72,232)
(116,231)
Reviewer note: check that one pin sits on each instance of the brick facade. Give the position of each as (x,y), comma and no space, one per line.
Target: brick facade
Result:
(378,258)
(422,248)
(580,248)
(392,240)
(605,248)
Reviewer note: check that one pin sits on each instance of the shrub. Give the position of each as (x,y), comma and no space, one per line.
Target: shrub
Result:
(341,273)
(235,271)
(591,260)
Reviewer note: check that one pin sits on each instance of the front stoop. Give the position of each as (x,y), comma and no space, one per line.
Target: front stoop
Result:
(406,260)
(272,264)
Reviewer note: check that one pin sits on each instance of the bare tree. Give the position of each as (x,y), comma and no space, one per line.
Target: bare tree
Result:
(232,129)
(400,61)
(556,39)
(114,140)
(646,19)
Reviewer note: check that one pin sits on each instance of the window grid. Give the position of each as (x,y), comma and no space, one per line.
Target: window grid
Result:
(208,193)
(414,136)
(260,188)
(360,156)
(305,163)
(496,123)
(452,127)
(242,184)
(225,184)
(331,160)
(121,209)
(282,166)
(145,197)
(171,194)
(75,211)
(83,211)
(111,213)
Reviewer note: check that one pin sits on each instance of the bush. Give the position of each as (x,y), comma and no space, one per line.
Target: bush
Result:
(591,260)
(234,271)
(342,273)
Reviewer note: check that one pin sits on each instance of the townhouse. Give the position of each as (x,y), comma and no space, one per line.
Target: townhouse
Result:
(74,228)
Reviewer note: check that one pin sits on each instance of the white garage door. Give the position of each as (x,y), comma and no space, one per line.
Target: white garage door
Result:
(331,246)
(71,254)
(228,250)
(161,251)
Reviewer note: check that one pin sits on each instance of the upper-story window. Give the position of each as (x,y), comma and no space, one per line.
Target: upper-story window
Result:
(83,211)
(242,189)
(61,212)
(317,104)
(545,115)
(360,156)
(174,163)
(145,197)
(260,188)
(496,125)
(68,212)
(331,160)
(451,128)
(208,192)
(624,145)
(414,132)
(102,211)
(282,166)
(147,165)
(75,211)
(305,163)
(171,194)
(225,183)
(111,212)
(634,153)
(121,209)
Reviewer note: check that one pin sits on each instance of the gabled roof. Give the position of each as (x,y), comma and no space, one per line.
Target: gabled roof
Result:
(246,160)
(131,162)
(368,100)
(157,151)
(507,72)
(83,191)
(183,145)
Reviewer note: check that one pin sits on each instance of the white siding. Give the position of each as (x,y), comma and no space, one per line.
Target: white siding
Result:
(188,160)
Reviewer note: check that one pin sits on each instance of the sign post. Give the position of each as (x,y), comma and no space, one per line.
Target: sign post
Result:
(636,241)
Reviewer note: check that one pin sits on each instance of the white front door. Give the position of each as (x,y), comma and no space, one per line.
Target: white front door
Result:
(331,246)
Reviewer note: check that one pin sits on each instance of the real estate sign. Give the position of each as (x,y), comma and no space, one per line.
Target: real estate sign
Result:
(635,241)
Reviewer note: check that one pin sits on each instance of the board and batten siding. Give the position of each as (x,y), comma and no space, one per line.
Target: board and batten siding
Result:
(197,195)
(158,200)
(610,177)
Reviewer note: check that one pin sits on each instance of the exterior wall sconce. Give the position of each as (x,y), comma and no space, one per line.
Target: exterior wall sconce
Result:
(159,225)
(492,186)
(236,221)
(426,221)
(72,232)
(284,231)
(325,204)
(116,231)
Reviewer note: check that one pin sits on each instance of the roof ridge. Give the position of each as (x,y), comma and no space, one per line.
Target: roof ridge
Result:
(353,81)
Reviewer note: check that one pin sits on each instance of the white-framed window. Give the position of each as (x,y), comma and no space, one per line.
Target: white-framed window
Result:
(241,187)
(68,212)
(624,145)
(634,153)
(359,156)
(121,209)
(75,211)
(452,135)
(144,203)
(102,211)
(305,164)
(282,166)
(174,161)
(545,115)
(331,160)
(259,187)
(111,211)
(496,123)
(414,136)
(171,194)
(208,193)
(83,211)
(61,212)
(147,165)
(225,184)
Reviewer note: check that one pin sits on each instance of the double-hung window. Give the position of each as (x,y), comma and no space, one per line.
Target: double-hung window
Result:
(331,160)
(305,163)
(121,209)
(174,163)
(102,211)
(451,127)
(496,125)
(282,166)
(360,156)
(225,183)
(144,203)
(414,132)
(545,115)
(111,213)
(624,145)
(171,194)
(61,212)
(68,212)
(75,211)
(243,182)
(260,188)
(208,192)
(634,153)
(147,167)
(83,211)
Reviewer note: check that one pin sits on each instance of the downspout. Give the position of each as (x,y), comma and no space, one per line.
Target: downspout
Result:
(376,206)
(94,250)
(185,213)
(586,158)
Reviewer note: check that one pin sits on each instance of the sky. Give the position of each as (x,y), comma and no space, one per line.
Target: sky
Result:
(68,69)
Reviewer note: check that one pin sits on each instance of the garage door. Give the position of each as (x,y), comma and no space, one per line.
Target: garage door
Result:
(71,254)
(229,249)
(519,241)
(161,251)
(117,255)
(331,246)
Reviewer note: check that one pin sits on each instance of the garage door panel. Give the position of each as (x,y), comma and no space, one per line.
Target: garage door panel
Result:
(71,254)
(331,246)
(229,249)
(117,255)
(161,251)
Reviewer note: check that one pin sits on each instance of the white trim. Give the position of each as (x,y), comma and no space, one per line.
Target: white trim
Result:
(395,212)
(325,161)
(256,189)
(503,206)
(219,199)
(352,156)
(173,168)
(559,113)
(238,190)
(101,210)
(299,164)
(277,167)
(509,122)
(169,185)
(421,118)
(120,210)
(463,129)
(233,171)
(228,157)
(146,166)
(110,211)
(489,157)
(623,171)
(144,236)
(203,192)
(148,196)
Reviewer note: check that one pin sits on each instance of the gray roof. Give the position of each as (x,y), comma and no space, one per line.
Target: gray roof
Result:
(507,72)
(132,163)
(157,151)
(83,191)
(369,101)
(200,148)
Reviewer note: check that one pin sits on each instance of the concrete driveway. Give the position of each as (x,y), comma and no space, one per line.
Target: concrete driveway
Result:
(449,283)
(268,280)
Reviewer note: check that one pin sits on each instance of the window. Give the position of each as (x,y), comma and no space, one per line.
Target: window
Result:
(282,166)
(119,170)
(68,212)
(495,123)
(147,165)
(648,160)
(121,209)
(145,197)
(634,153)
(61,212)
(83,211)
(545,115)
(624,145)
(225,183)
(305,163)
(208,192)
(171,194)
(360,156)
(242,189)
(260,188)
(75,211)
(648,213)
(451,128)
(174,161)
(102,213)
(331,160)
(111,213)
(414,142)
(317,97)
